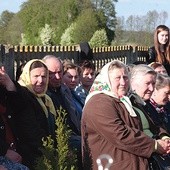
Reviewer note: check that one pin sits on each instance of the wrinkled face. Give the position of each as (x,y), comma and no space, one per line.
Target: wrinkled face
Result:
(55,72)
(144,85)
(163,37)
(119,81)
(161,96)
(87,77)
(161,70)
(71,78)
(38,77)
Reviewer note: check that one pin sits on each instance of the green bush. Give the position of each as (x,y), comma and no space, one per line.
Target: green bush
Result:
(99,39)
(60,157)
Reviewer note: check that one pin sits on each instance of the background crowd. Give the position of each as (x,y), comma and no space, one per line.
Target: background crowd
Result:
(123,110)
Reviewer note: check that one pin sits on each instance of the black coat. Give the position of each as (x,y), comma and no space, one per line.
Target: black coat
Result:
(4,96)
(31,124)
(159,118)
(152,58)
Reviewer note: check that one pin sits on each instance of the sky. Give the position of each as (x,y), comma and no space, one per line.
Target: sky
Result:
(123,7)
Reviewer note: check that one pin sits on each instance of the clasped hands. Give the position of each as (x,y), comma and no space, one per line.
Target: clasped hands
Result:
(163,146)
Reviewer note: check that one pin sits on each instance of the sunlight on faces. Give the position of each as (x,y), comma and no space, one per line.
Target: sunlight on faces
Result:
(144,85)
(163,37)
(119,81)
(161,70)
(87,77)
(38,77)
(71,78)
(55,72)
(161,96)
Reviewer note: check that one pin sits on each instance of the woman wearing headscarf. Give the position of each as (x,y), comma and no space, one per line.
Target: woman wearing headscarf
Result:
(111,126)
(34,112)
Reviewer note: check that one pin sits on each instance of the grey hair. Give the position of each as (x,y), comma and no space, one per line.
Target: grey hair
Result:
(141,70)
(162,81)
(45,58)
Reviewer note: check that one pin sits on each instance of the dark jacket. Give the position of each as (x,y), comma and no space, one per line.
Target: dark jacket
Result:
(152,58)
(159,118)
(31,124)
(4,96)
(65,96)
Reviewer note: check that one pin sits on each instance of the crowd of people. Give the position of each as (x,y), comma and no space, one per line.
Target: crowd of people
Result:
(123,111)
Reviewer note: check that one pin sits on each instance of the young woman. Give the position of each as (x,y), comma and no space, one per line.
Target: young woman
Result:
(160,52)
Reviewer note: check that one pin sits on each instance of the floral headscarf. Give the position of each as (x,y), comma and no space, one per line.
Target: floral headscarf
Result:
(26,82)
(102,84)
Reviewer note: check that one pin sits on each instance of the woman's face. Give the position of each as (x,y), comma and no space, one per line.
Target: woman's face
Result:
(119,81)
(144,85)
(161,96)
(87,77)
(38,77)
(71,78)
(163,37)
(161,70)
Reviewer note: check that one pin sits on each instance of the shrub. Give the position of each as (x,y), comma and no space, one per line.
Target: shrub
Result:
(99,39)
(60,157)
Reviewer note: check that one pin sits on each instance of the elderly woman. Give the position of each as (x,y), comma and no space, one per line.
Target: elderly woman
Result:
(158,106)
(34,111)
(111,126)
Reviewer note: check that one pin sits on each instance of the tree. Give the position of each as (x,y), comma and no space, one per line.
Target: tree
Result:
(99,39)
(67,37)
(108,9)
(119,32)
(151,21)
(67,12)
(86,25)
(46,35)
(14,31)
(5,19)
(34,14)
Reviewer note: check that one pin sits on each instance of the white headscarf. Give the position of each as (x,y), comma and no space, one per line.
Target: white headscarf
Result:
(102,84)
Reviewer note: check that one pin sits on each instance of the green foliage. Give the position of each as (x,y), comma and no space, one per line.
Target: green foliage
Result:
(14,31)
(60,157)
(5,19)
(99,39)
(34,15)
(68,10)
(67,37)
(86,25)
(46,35)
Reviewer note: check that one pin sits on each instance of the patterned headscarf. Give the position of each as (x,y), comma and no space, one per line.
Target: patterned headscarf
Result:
(102,84)
(26,82)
